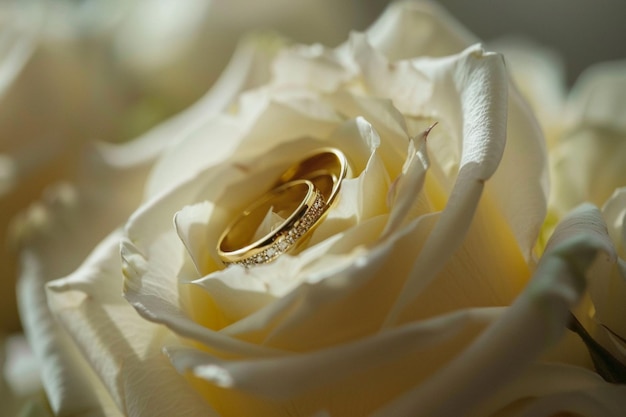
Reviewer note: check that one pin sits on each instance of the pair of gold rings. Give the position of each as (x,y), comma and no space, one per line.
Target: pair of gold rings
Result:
(298,199)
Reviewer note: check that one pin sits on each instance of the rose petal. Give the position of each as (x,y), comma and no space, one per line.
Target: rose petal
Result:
(603,401)
(520,186)
(339,296)
(190,227)
(608,291)
(537,318)
(477,83)
(614,212)
(539,74)
(383,118)
(597,98)
(408,185)
(55,242)
(421,90)
(248,68)
(315,67)
(70,385)
(587,165)
(116,342)
(302,373)
(151,222)
(150,287)
(239,293)
(410,29)
(559,388)
(400,80)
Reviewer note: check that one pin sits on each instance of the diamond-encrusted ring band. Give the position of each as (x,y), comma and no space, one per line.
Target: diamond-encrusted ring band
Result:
(276,223)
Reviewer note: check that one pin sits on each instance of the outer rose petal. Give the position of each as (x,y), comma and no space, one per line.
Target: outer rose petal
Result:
(539,75)
(524,159)
(494,358)
(597,99)
(248,68)
(588,163)
(123,350)
(608,291)
(556,388)
(57,234)
(537,318)
(475,92)
(418,28)
(72,388)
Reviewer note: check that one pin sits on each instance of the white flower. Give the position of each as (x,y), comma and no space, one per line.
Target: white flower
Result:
(76,73)
(587,138)
(417,295)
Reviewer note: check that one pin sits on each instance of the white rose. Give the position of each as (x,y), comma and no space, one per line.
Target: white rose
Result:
(417,295)
(110,187)
(587,135)
(72,73)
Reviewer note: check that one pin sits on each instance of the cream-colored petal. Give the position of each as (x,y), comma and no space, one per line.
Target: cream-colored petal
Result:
(190,223)
(342,295)
(305,372)
(492,269)
(557,388)
(608,291)
(123,349)
(248,68)
(601,401)
(404,83)
(475,92)
(539,74)
(72,388)
(57,233)
(614,213)
(418,28)
(314,67)
(151,288)
(408,185)
(383,118)
(150,223)
(422,88)
(535,320)
(597,98)
(587,166)
(520,186)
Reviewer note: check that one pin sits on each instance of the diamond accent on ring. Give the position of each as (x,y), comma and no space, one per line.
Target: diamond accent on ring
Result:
(286,240)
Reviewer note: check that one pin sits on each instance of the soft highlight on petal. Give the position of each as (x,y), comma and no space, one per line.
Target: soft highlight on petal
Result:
(533,322)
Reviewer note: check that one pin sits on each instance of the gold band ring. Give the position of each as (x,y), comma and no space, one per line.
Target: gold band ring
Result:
(299,202)
(325,168)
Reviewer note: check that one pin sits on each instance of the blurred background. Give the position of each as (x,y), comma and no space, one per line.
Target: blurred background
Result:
(74,71)
(582,32)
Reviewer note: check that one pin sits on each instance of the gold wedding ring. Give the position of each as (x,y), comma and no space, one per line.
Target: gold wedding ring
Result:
(299,202)
(325,168)
(293,207)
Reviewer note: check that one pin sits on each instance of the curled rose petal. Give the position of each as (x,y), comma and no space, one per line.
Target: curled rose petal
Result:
(117,344)
(535,320)
(479,80)
(302,373)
